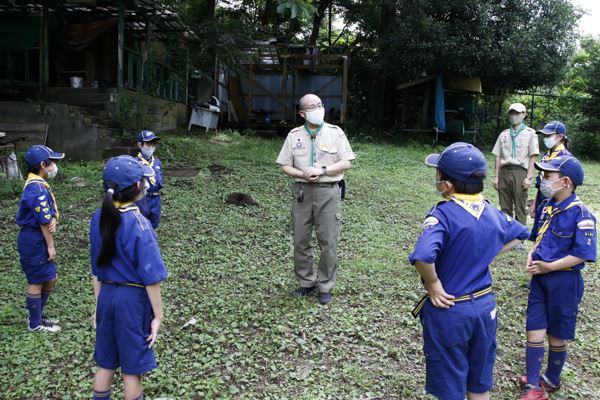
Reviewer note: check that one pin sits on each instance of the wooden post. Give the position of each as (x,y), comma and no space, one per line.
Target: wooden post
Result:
(187,74)
(250,79)
(344,91)
(120,45)
(284,80)
(45,70)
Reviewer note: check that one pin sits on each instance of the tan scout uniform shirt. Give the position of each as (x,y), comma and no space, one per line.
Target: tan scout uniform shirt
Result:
(526,146)
(330,146)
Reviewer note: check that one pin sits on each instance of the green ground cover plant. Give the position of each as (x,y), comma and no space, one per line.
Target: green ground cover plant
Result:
(231,270)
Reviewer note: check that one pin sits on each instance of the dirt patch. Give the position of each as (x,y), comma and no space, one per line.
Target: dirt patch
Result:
(217,169)
(240,199)
(182,172)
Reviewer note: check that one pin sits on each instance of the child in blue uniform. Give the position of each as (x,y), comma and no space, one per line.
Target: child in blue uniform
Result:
(128,270)
(460,238)
(37,218)
(564,239)
(557,143)
(151,204)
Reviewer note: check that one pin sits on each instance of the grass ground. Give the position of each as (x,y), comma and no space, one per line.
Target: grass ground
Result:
(231,269)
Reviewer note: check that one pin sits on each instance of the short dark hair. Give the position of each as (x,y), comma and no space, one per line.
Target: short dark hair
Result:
(35,168)
(464,187)
(561,175)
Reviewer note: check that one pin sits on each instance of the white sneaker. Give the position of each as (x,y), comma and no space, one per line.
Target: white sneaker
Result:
(43,327)
(49,321)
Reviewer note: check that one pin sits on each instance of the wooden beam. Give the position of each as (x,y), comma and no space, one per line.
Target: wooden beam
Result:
(344,91)
(284,80)
(120,44)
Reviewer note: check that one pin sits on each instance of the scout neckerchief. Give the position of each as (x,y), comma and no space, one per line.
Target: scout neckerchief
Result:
(552,211)
(513,135)
(312,135)
(150,164)
(474,204)
(31,177)
(552,154)
(124,207)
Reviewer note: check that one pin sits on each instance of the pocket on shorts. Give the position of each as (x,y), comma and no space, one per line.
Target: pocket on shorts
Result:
(38,260)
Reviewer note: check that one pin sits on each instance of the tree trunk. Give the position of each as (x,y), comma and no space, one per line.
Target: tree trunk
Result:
(384,85)
(317,20)
(268,12)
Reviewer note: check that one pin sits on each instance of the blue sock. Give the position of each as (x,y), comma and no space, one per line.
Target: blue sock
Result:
(45,295)
(534,356)
(102,395)
(556,360)
(141,397)
(34,305)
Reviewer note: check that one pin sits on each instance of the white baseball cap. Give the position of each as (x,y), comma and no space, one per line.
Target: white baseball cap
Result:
(518,107)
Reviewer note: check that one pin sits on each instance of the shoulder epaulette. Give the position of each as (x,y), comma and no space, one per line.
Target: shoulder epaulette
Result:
(432,209)
(144,225)
(585,211)
(296,129)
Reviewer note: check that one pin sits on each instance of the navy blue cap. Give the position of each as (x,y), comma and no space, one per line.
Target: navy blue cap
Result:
(459,161)
(147,136)
(125,171)
(38,153)
(554,127)
(566,165)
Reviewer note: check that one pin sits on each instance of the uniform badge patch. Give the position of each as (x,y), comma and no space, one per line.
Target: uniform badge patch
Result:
(45,210)
(37,209)
(585,224)
(47,216)
(493,314)
(508,218)
(43,203)
(42,197)
(299,144)
(429,223)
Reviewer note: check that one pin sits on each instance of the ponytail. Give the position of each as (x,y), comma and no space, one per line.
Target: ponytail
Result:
(110,219)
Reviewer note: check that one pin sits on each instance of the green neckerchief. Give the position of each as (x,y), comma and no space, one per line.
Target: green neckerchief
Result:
(513,135)
(312,141)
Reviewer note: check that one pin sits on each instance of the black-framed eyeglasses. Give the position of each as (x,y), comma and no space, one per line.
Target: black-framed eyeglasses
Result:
(313,107)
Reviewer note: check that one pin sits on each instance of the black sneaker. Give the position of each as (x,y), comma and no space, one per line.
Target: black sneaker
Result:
(303,291)
(325,298)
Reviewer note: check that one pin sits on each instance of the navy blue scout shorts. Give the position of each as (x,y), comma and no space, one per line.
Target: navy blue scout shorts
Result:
(460,347)
(554,303)
(123,317)
(33,253)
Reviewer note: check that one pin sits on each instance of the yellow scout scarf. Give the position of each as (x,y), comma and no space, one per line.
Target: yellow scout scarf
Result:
(552,154)
(474,204)
(552,211)
(124,207)
(31,177)
(150,164)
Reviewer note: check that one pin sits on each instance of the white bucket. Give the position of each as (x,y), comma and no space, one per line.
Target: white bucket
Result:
(76,81)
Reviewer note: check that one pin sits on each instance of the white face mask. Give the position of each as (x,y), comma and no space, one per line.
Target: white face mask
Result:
(52,172)
(147,152)
(315,116)
(549,142)
(546,188)
(144,190)
(515,119)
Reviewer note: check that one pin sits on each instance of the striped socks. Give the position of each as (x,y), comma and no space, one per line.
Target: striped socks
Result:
(34,305)
(102,395)
(556,360)
(534,356)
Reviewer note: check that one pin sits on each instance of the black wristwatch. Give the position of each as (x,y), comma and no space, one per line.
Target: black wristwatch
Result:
(324,168)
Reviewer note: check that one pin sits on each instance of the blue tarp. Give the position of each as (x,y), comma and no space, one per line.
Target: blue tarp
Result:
(440,117)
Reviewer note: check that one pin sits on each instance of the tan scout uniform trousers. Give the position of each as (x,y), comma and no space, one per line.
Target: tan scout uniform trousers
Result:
(513,170)
(320,206)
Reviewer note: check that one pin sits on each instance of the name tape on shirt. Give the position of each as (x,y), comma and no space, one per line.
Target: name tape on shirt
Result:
(586,224)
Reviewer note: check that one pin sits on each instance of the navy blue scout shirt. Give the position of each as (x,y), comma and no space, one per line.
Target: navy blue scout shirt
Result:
(37,205)
(461,237)
(156,181)
(568,228)
(137,258)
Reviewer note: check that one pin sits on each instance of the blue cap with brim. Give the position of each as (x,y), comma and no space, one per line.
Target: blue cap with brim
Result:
(38,153)
(125,171)
(459,161)
(147,136)
(566,165)
(552,127)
